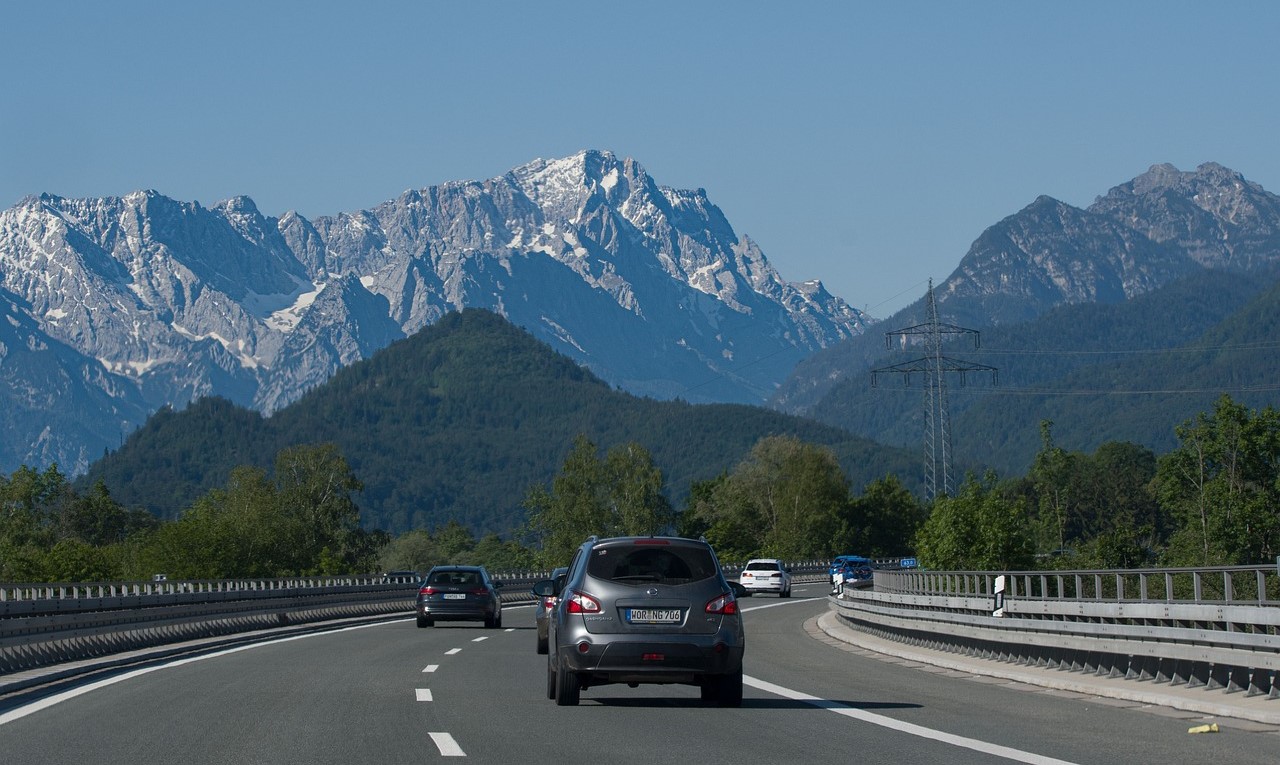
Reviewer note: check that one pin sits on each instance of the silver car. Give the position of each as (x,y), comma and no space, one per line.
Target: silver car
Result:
(644,610)
(543,607)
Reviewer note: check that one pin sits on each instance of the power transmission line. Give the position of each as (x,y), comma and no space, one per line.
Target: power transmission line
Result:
(934,366)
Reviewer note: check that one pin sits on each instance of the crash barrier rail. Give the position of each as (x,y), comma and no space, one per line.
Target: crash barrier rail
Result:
(46,624)
(1212,627)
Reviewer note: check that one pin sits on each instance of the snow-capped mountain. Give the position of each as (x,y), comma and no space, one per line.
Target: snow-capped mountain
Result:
(151,301)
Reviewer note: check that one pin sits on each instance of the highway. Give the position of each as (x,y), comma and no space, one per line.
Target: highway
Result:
(393,693)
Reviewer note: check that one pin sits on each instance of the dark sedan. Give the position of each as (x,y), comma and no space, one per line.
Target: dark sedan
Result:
(459,594)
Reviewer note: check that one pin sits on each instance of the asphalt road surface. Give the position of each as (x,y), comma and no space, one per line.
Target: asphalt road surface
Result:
(392,693)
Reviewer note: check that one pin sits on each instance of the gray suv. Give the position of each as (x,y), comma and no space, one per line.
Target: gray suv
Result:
(644,610)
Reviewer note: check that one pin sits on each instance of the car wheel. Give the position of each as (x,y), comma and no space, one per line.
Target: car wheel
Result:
(708,689)
(497,623)
(542,645)
(551,680)
(785,593)
(424,621)
(568,687)
(729,689)
(488,622)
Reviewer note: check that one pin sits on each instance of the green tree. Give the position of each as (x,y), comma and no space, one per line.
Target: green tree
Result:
(981,528)
(314,488)
(787,499)
(624,493)
(411,551)
(1051,480)
(1222,485)
(884,520)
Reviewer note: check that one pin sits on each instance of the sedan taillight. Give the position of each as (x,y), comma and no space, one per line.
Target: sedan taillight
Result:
(725,605)
(427,591)
(581,603)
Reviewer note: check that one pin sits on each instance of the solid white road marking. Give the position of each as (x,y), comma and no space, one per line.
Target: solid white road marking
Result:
(424,694)
(452,651)
(431,668)
(1017,755)
(447,746)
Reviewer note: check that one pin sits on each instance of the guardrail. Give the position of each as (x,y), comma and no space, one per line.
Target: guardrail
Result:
(1213,627)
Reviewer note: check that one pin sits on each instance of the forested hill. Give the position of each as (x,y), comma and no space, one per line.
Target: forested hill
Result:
(457,422)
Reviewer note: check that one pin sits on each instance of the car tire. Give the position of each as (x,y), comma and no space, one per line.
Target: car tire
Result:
(568,687)
(785,593)
(729,689)
(424,622)
(542,645)
(551,680)
(709,690)
(489,622)
(498,622)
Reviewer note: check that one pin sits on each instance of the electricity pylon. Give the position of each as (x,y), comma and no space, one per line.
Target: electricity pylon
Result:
(937,414)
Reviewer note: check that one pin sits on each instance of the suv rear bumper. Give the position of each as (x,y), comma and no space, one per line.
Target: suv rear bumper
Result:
(641,659)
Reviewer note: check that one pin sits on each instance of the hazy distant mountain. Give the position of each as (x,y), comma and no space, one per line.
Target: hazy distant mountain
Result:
(1162,226)
(157,302)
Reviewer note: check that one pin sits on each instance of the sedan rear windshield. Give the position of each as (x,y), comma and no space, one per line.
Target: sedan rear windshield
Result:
(454,577)
(649,563)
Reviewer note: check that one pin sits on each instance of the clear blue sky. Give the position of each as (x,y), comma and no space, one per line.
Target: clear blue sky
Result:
(863,144)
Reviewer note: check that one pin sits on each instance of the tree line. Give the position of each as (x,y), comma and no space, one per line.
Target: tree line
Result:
(1215,499)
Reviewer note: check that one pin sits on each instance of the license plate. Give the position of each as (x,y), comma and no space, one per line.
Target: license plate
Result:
(455,596)
(653,615)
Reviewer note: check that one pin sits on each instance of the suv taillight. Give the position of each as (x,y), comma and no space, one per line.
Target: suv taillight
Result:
(581,603)
(725,605)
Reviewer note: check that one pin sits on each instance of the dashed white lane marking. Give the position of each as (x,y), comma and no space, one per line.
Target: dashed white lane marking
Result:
(431,668)
(452,651)
(510,629)
(482,637)
(423,694)
(447,746)
(1017,755)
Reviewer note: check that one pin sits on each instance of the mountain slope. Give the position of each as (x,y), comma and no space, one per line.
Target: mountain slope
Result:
(457,422)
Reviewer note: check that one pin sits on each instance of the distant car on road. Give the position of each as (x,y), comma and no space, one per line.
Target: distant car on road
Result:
(850,571)
(766,575)
(545,604)
(459,593)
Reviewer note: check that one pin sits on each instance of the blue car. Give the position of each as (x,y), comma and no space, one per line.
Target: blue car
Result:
(853,570)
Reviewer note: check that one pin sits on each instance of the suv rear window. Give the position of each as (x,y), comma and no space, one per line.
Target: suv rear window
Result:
(762,566)
(647,563)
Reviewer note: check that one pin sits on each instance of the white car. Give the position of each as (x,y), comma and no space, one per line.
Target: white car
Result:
(766,575)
